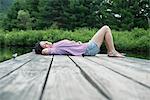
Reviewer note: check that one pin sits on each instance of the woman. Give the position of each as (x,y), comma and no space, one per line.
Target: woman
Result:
(91,48)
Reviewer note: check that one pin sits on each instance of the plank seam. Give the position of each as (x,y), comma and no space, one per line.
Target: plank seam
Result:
(15,69)
(91,81)
(122,74)
(131,67)
(46,78)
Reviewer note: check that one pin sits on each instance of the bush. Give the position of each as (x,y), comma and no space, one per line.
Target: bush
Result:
(135,40)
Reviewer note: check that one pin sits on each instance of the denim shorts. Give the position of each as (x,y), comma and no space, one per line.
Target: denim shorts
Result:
(92,49)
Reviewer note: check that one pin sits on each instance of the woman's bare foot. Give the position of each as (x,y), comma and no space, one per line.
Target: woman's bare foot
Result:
(115,54)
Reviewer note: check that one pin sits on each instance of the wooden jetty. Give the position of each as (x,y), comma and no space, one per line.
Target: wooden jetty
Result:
(60,77)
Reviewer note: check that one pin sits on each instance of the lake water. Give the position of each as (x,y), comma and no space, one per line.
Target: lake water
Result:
(6,53)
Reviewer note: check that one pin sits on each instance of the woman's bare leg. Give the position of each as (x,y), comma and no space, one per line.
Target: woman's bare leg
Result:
(104,33)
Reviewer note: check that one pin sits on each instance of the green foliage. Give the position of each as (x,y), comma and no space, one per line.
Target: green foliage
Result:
(135,40)
(10,21)
(2,38)
(133,13)
(5,4)
(7,52)
(5,55)
(24,21)
(71,14)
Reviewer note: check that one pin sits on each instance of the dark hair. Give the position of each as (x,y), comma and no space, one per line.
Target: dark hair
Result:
(38,48)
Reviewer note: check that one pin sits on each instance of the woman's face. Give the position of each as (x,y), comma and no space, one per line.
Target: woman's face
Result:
(45,44)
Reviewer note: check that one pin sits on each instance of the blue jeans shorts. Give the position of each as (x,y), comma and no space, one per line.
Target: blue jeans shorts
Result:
(92,49)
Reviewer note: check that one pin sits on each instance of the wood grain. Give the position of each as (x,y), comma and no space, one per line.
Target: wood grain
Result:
(65,82)
(135,71)
(27,82)
(116,86)
(59,77)
(11,65)
(130,59)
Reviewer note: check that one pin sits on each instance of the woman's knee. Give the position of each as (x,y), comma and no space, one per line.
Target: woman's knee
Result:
(106,27)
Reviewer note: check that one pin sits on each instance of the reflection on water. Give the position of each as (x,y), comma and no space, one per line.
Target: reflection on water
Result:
(7,52)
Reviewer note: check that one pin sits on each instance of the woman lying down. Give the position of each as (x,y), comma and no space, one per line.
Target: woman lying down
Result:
(91,48)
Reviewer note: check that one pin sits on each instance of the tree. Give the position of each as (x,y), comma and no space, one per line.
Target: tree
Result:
(24,20)
(70,14)
(32,7)
(133,13)
(10,22)
(52,11)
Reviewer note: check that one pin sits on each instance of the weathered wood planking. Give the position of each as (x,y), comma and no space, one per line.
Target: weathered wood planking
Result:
(37,77)
(11,65)
(135,65)
(135,62)
(27,82)
(112,84)
(136,71)
(129,59)
(66,82)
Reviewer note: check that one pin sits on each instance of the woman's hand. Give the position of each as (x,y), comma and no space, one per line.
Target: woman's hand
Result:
(79,42)
(45,51)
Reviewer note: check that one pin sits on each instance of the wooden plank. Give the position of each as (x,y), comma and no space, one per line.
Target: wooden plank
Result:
(141,66)
(130,59)
(135,71)
(116,86)
(27,82)
(11,65)
(66,82)
(137,60)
